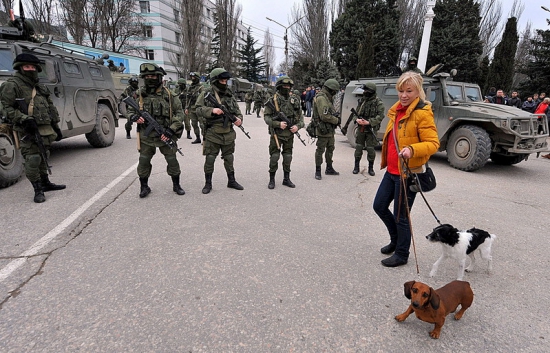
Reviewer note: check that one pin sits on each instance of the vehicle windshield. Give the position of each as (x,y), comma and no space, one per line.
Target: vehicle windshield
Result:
(6,60)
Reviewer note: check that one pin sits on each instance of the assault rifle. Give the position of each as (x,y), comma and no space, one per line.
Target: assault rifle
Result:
(24,108)
(282,117)
(362,129)
(152,124)
(227,116)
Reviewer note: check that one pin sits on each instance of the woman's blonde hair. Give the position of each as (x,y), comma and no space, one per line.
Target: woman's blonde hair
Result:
(546,100)
(414,79)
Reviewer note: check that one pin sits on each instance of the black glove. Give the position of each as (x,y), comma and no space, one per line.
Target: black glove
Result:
(168,133)
(134,118)
(57,131)
(30,126)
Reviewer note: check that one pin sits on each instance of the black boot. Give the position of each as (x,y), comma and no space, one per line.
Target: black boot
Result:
(371,168)
(208,183)
(189,135)
(47,185)
(145,189)
(388,249)
(232,183)
(330,170)
(271,184)
(318,173)
(38,192)
(176,185)
(128,134)
(287,182)
(197,140)
(356,168)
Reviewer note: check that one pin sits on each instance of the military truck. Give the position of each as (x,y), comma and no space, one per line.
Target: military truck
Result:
(239,86)
(470,131)
(81,89)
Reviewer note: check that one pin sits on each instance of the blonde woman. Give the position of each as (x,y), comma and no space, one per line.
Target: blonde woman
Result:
(410,136)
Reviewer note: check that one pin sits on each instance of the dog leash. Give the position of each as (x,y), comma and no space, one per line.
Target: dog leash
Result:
(409,172)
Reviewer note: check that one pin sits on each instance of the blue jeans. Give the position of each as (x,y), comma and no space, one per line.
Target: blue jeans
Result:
(308,108)
(397,223)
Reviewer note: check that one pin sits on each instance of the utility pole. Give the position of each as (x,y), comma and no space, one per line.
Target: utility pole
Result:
(425,43)
(286,37)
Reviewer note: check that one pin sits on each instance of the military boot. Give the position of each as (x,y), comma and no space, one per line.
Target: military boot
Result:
(128,134)
(330,170)
(145,189)
(271,184)
(287,182)
(232,183)
(38,192)
(371,168)
(356,168)
(197,140)
(47,185)
(176,185)
(189,135)
(318,172)
(208,183)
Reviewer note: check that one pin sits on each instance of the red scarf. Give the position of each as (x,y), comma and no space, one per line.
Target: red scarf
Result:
(392,153)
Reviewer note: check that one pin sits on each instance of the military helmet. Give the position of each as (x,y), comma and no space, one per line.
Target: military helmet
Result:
(219,73)
(133,80)
(284,80)
(151,69)
(332,84)
(369,87)
(296,92)
(26,59)
(191,74)
(110,61)
(413,58)
(182,81)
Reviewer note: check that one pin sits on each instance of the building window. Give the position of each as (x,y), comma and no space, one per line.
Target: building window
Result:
(144,7)
(178,58)
(150,54)
(178,37)
(176,15)
(148,31)
(207,13)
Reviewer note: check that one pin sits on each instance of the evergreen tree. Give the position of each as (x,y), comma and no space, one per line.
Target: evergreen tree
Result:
(484,67)
(538,67)
(455,38)
(251,64)
(215,44)
(350,29)
(365,53)
(501,70)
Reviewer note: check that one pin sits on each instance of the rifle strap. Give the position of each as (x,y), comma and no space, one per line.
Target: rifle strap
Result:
(140,101)
(217,97)
(169,102)
(31,103)
(276,102)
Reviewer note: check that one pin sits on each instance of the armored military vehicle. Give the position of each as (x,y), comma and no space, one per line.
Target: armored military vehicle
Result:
(239,86)
(81,89)
(470,131)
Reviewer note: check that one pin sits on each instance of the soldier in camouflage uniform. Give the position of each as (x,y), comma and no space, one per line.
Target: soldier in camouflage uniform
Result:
(166,108)
(130,91)
(193,93)
(258,101)
(281,134)
(41,117)
(181,92)
(411,65)
(220,134)
(325,116)
(371,113)
(248,98)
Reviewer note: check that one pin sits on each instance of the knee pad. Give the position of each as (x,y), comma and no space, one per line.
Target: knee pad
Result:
(33,160)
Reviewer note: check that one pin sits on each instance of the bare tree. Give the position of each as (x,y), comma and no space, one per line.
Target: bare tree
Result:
(42,11)
(310,33)
(228,15)
(5,8)
(411,26)
(269,53)
(121,23)
(73,17)
(522,56)
(193,47)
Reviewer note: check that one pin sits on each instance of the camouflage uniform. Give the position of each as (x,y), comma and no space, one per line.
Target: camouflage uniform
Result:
(258,101)
(42,118)
(220,134)
(166,108)
(193,93)
(370,108)
(181,92)
(130,91)
(290,106)
(248,98)
(323,113)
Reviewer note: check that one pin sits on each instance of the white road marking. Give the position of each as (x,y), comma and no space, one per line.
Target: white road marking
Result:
(52,234)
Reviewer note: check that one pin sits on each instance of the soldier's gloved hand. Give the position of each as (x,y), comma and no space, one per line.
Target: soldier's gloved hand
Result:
(30,125)
(167,135)
(134,118)
(57,131)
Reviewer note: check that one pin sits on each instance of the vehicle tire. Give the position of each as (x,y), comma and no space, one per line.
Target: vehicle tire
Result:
(507,160)
(468,148)
(11,161)
(103,133)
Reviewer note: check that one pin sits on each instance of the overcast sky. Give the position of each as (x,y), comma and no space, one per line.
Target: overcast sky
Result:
(255,12)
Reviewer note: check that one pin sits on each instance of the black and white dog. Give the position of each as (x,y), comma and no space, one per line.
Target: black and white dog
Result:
(460,244)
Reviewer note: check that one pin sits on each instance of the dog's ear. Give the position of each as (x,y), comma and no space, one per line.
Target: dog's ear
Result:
(434,299)
(408,286)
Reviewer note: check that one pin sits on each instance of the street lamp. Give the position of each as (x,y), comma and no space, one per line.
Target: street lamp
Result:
(286,37)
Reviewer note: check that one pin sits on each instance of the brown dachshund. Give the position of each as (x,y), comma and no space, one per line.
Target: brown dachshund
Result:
(434,305)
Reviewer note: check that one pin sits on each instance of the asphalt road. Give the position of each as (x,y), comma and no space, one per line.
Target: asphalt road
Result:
(96,269)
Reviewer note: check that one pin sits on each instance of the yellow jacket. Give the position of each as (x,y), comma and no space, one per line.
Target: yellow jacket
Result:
(416,130)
